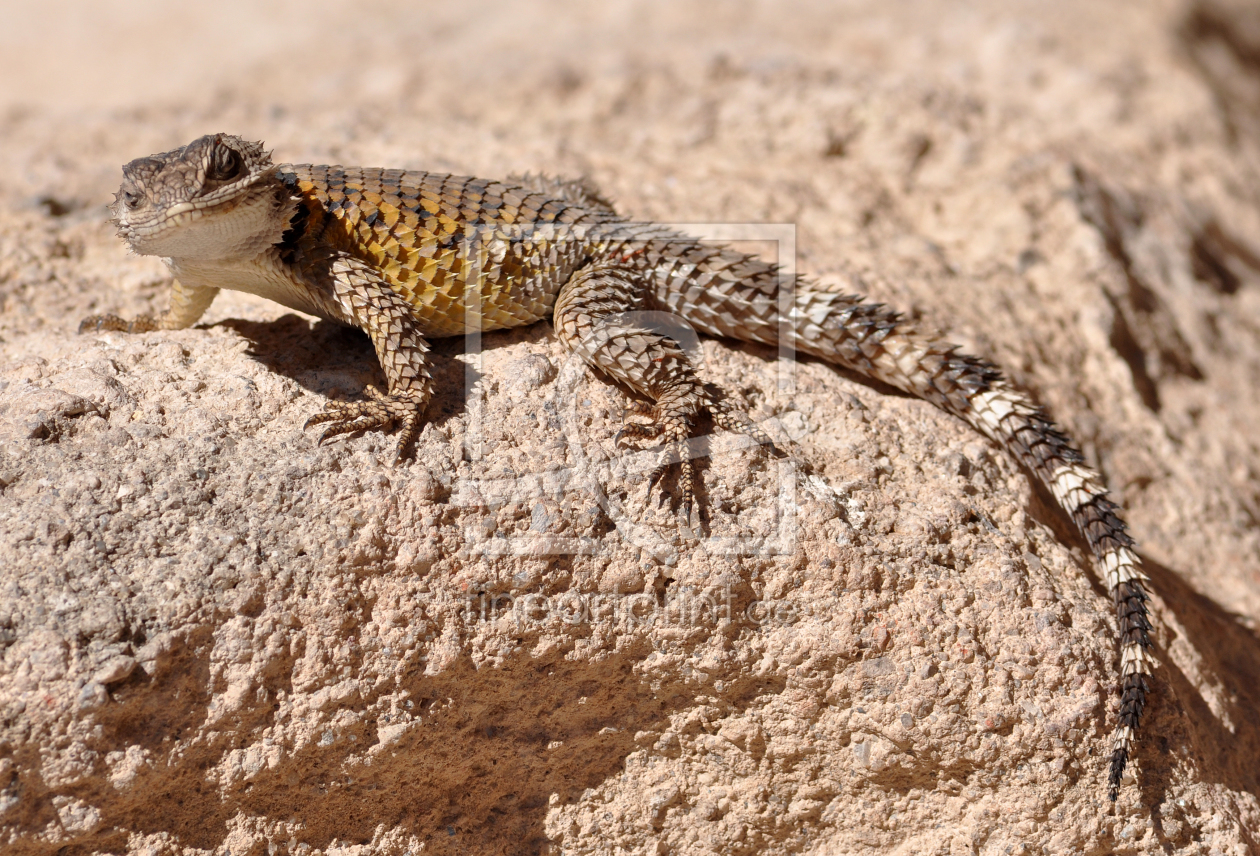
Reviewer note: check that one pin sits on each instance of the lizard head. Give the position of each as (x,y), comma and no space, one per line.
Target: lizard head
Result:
(216,198)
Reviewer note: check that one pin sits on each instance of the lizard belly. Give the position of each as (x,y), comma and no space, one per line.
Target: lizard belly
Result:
(262,276)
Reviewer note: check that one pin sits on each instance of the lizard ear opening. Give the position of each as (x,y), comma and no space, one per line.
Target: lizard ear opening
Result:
(226,164)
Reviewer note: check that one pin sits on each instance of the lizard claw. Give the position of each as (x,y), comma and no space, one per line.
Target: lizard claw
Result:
(672,425)
(635,433)
(380,411)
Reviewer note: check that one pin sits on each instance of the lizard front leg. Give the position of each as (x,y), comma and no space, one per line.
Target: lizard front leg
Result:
(362,298)
(595,318)
(188,304)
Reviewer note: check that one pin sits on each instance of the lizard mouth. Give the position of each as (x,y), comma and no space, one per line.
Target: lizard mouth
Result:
(176,215)
(240,223)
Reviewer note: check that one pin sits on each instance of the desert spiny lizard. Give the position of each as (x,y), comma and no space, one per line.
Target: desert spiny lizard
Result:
(408,255)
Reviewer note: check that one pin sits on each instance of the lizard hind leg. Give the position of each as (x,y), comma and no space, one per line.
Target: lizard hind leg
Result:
(603,315)
(670,423)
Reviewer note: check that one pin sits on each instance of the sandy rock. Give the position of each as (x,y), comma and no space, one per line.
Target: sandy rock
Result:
(218,636)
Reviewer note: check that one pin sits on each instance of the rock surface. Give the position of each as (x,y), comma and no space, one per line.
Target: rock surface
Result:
(218,636)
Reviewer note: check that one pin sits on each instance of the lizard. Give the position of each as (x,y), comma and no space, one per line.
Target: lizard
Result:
(408,255)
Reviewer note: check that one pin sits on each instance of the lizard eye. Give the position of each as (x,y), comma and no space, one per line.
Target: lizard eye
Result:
(226,164)
(131,199)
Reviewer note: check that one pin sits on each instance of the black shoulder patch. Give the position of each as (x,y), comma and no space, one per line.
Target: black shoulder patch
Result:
(298,225)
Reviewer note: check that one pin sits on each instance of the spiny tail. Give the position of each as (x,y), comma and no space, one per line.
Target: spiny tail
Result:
(877,342)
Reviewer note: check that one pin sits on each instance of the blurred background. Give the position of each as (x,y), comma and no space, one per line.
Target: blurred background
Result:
(65,55)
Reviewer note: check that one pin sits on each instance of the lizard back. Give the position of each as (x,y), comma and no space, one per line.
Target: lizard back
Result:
(430,235)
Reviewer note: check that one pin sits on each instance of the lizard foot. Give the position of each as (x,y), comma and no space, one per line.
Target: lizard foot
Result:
(380,411)
(670,423)
(113,323)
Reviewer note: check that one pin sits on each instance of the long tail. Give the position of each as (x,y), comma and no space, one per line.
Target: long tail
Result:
(877,342)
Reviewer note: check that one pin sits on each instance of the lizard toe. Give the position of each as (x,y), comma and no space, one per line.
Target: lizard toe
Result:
(116,324)
(731,418)
(639,434)
(670,424)
(380,411)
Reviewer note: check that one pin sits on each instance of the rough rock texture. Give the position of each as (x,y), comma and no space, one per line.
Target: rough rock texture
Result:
(217,636)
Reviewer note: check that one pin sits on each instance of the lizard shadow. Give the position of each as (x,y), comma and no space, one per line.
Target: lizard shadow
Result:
(484,756)
(337,362)
(1205,689)
(1211,666)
